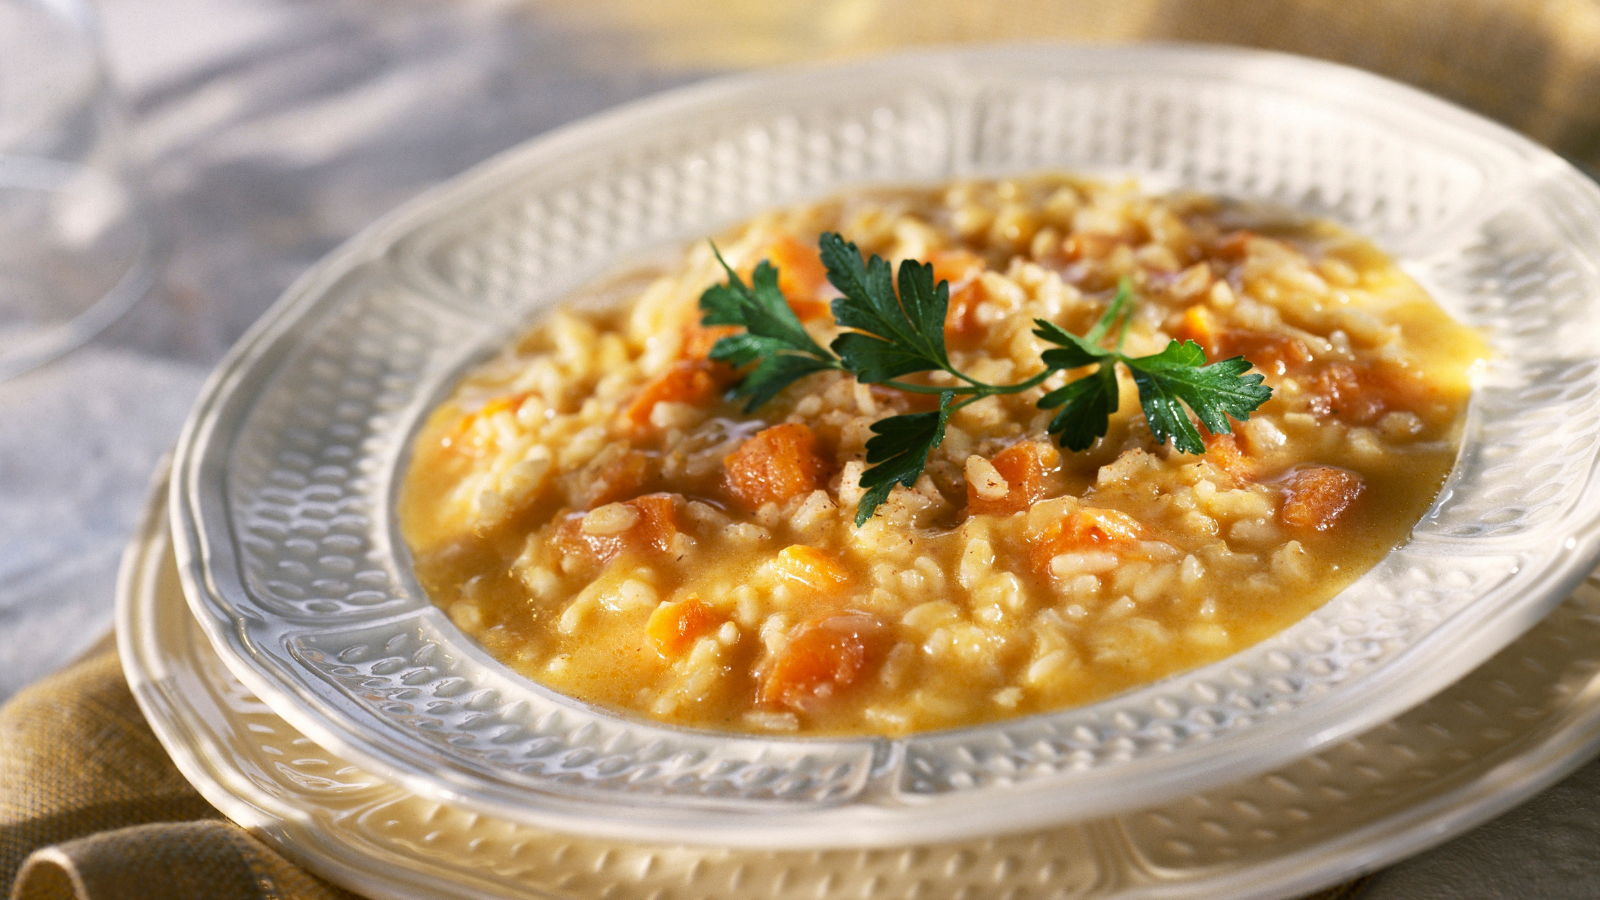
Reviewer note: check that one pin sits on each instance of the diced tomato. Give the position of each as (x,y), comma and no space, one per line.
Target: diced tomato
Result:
(697,382)
(811,568)
(1272,354)
(625,477)
(657,523)
(1227,452)
(675,626)
(775,464)
(1024,467)
(1087,528)
(1318,496)
(822,658)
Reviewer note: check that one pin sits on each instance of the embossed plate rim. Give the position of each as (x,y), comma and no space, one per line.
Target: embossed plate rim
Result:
(207,554)
(145,619)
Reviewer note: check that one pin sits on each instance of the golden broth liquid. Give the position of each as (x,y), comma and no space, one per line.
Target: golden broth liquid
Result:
(595,509)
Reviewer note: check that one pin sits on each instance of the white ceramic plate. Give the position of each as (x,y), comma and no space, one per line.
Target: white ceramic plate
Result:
(285,477)
(1522,720)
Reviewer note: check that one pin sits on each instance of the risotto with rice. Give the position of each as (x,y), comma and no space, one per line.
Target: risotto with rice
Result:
(596,510)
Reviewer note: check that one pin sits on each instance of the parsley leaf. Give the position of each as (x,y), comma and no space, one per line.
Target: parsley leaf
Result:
(1214,392)
(1074,351)
(1085,410)
(1167,381)
(773,337)
(894,334)
(901,332)
(898,453)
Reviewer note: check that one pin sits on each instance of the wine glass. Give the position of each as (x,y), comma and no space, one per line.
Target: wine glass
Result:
(77,247)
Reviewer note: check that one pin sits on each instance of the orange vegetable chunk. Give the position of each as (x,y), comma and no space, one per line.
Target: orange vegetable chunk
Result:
(696,382)
(458,438)
(674,626)
(1086,528)
(1361,395)
(822,658)
(961,269)
(658,521)
(1024,467)
(699,339)
(1318,496)
(622,478)
(801,274)
(1227,452)
(1271,354)
(773,465)
(653,531)
(811,568)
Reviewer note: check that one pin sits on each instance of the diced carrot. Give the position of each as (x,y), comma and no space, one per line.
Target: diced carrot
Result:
(775,464)
(1272,354)
(1337,392)
(697,382)
(961,318)
(674,626)
(658,521)
(810,568)
(507,403)
(1088,245)
(806,309)
(961,269)
(622,478)
(1227,452)
(1361,394)
(1087,528)
(801,274)
(1234,245)
(1200,326)
(820,659)
(1318,496)
(656,525)
(699,339)
(1024,467)
(457,439)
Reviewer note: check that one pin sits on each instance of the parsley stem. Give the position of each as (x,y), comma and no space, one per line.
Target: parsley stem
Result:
(977,388)
(926,388)
(1020,386)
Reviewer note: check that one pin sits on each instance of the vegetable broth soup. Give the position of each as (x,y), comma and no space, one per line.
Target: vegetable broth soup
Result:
(660,515)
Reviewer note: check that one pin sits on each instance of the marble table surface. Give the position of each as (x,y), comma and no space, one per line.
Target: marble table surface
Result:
(270,130)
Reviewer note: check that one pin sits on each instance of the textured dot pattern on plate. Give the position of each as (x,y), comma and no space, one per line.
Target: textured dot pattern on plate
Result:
(286,476)
(1512,725)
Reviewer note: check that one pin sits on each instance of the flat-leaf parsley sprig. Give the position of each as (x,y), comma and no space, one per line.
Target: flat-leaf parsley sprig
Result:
(898,333)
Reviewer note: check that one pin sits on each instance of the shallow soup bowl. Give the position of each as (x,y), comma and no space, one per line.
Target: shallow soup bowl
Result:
(284,490)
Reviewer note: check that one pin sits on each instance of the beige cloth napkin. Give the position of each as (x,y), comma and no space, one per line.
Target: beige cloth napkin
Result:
(91,808)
